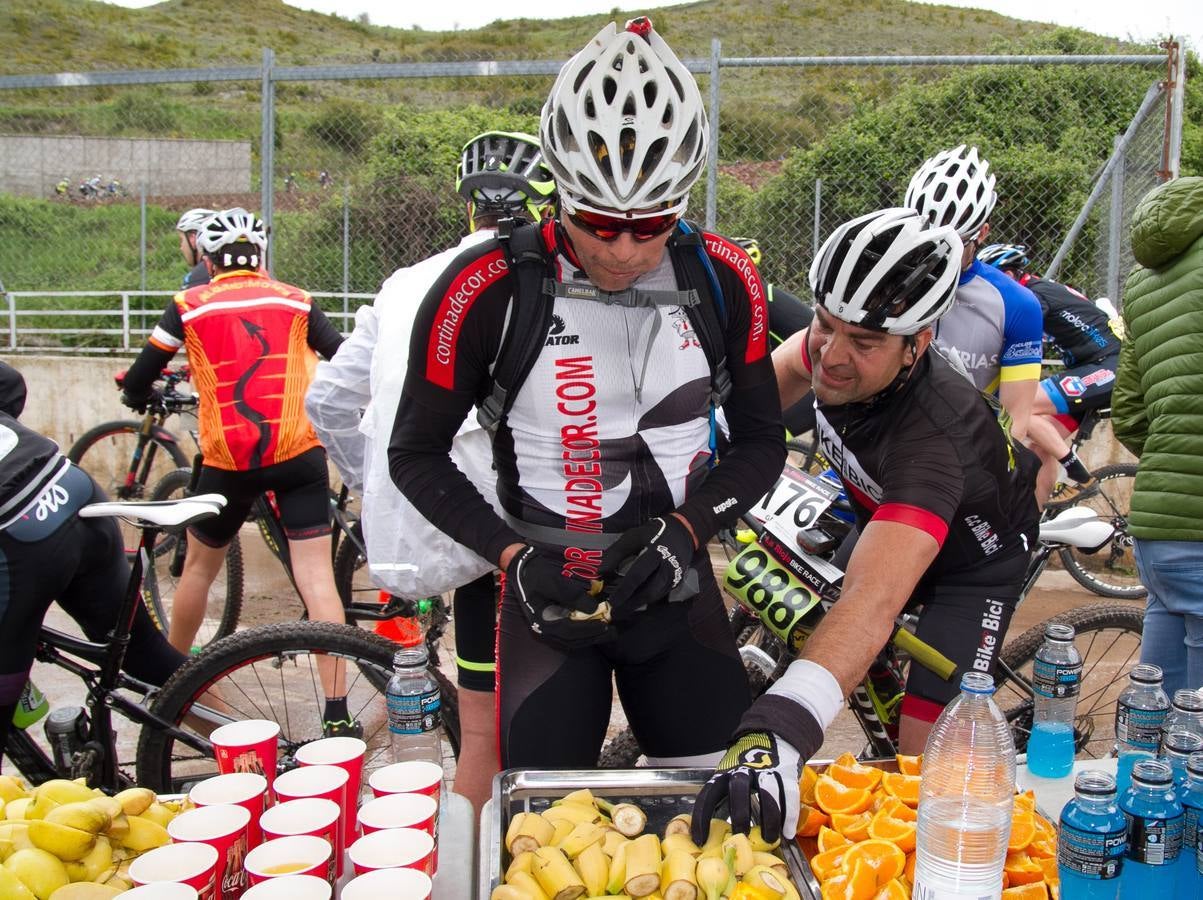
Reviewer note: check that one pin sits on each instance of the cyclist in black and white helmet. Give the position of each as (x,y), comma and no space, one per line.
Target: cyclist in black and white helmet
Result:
(943,497)
(603,440)
(500,172)
(995,329)
(189,226)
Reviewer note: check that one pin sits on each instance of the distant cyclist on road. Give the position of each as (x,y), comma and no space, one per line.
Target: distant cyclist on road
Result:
(1089,347)
(943,495)
(189,226)
(252,345)
(353,402)
(994,329)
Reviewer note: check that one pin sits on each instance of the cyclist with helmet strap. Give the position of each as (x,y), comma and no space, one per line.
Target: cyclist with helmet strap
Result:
(252,343)
(942,493)
(501,175)
(603,451)
(1089,347)
(994,329)
(189,226)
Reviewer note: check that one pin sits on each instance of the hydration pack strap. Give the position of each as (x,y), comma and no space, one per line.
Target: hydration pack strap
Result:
(632,297)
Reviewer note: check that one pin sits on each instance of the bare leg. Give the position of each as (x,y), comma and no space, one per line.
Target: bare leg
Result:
(1048,438)
(314,573)
(201,565)
(912,735)
(477,762)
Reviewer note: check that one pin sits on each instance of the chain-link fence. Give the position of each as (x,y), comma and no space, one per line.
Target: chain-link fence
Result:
(353,166)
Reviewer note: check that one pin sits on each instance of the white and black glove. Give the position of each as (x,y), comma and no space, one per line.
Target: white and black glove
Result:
(548,598)
(650,561)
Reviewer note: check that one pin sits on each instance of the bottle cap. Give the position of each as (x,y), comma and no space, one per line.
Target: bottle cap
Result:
(1146,673)
(1056,631)
(977,683)
(1097,783)
(1153,773)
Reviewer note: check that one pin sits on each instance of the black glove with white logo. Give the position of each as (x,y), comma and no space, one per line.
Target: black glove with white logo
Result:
(650,560)
(548,599)
(758,772)
(139,403)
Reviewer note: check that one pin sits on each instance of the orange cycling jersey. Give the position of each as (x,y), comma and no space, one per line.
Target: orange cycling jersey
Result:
(250,343)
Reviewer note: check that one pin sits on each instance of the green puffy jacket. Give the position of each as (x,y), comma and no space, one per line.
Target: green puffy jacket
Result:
(1158,399)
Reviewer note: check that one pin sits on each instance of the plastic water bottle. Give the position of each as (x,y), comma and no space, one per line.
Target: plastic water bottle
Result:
(1091,840)
(1186,713)
(1056,683)
(414,707)
(1139,713)
(1189,870)
(1155,821)
(965,798)
(1176,749)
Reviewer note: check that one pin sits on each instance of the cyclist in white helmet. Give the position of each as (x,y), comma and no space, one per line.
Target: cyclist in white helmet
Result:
(603,435)
(189,226)
(943,496)
(995,329)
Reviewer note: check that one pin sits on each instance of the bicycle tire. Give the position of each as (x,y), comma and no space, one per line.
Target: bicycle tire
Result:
(1111,572)
(253,662)
(224,607)
(1108,637)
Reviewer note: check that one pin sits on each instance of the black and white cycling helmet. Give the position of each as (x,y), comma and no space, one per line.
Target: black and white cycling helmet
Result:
(954,188)
(193,219)
(227,229)
(504,173)
(1006,256)
(624,128)
(889,271)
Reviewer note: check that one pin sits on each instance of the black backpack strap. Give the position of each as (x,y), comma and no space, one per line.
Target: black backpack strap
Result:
(528,322)
(709,317)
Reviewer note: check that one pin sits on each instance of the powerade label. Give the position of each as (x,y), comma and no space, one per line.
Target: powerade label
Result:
(1140,729)
(1155,842)
(1190,830)
(1051,679)
(413,713)
(1091,854)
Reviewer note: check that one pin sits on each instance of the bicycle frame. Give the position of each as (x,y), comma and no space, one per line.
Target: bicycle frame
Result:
(266,514)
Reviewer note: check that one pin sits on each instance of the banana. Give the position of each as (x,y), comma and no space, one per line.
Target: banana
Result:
(618,869)
(719,829)
(119,827)
(743,852)
(575,813)
(556,876)
(532,832)
(106,805)
(144,835)
(507,892)
(14,836)
(594,867)
(87,817)
(581,837)
(643,866)
(612,841)
(582,797)
(58,791)
(96,864)
(712,875)
(159,814)
(626,817)
(678,880)
(678,825)
(65,842)
(525,883)
(12,789)
(756,839)
(12,887)
(41,872)
(135,800)
(679,841)
(764,876)
(14,810)
(522,863)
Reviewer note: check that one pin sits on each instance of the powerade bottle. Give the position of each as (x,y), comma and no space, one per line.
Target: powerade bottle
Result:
(1188,868)
(1155,821)
(1091,840)
(1139,713)
(1056,682)
(1176,749)
(1186,713)
(414,703)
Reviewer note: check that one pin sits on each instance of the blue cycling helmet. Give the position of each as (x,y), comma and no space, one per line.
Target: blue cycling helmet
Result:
(1006,256)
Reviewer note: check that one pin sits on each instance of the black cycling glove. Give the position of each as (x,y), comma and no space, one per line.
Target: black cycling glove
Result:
(758,766)
(139,403)
(547,599)
(650,561)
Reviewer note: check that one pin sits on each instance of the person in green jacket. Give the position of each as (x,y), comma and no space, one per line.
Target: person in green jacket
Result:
(1157,413)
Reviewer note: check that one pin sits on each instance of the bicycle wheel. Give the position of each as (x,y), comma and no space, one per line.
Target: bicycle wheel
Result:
(106,452)
(271,673)
(224,605)
(1108,637)
(1111,572)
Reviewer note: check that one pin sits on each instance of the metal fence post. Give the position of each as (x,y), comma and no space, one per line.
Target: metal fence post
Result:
(818,216)
(125,341)
(142,235)
(1176,99)
(346,250)
(267,146)
(12,322)
(716,51)
(1116,223)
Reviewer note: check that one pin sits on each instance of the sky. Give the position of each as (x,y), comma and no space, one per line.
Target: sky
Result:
(1142,19)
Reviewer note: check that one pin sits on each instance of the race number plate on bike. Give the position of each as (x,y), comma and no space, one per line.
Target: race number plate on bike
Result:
(797,500)
(787,605)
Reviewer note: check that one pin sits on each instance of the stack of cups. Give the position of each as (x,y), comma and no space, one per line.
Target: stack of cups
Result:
(347,754)
(224,828)
(194,865)
(250,745)
(301,854)
(320,783)
(245,789)
(412,777)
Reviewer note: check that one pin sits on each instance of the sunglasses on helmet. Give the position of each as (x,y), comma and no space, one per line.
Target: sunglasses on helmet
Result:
(608,228)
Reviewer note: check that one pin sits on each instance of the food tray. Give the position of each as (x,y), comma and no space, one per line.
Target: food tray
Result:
(660,793)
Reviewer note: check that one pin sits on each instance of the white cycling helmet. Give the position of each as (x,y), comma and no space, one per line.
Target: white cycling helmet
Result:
(624,128)
(229,227)
(504,173)
(889,270)
(954,188)
(193,219)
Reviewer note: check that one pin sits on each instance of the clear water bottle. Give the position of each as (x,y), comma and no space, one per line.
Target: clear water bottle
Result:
(1189,870)
(1091,840)
(1186,713)
(1155,820)
(414,707)
(965,798)
(1139,714)
(1176,749)
(1056,682)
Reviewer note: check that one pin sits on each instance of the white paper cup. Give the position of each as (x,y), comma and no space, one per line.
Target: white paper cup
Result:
(162,890)
(395,884)
(290,887)
(312,853)
(393,848)
(399,811)
(191,864)
(413,777)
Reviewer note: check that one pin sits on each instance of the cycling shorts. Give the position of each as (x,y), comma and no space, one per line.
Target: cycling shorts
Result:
(301,486)
(1077,391)
(968,624)
(676,666)
(474,613)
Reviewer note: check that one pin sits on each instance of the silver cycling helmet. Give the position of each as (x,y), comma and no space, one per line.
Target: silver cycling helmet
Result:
(954,188)
(889,271)
(1006,256)
(624,128)
(193,219)
(230,227)
(504,173)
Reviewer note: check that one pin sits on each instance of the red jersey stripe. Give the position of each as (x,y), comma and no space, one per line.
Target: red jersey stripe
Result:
(906,514)
(737,260)
(463,291)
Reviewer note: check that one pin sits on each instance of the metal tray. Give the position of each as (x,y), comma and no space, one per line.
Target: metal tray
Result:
(660,793)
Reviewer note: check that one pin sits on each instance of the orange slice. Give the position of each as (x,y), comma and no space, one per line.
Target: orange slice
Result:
(909,871)
(892,890)
(898,832)
(1049,865)
(829,863)
(1026,801)
(855,775)
(1023,831)
(1039,850)
(1033,891)
(829,839)
(810,820)
(853,827)
(909,765)
(859,884)
(806,785)
(904,787)
(1021,869)
(833,797)
(886,860)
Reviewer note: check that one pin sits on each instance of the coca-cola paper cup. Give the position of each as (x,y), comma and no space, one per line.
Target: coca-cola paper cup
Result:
(413,777)
(290,887)
(245,789)
(302,854)
(399,811)
(192,864)
(224,828)
(324,783)
(247,746)
(346,753)
(310,815)
(393,848)
(395,884)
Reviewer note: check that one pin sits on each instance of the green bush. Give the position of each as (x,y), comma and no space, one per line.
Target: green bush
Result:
(345,125)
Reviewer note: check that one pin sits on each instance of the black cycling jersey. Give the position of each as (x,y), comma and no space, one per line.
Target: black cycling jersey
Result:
(1079,329)
(198,274)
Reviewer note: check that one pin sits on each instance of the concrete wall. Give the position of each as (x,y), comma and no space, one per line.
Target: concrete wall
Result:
(31,165)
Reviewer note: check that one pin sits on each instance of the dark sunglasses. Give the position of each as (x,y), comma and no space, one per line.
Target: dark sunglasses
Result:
(608,228)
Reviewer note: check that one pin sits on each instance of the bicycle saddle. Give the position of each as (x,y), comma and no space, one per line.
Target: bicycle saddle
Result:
(159,513)
(1078,527)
